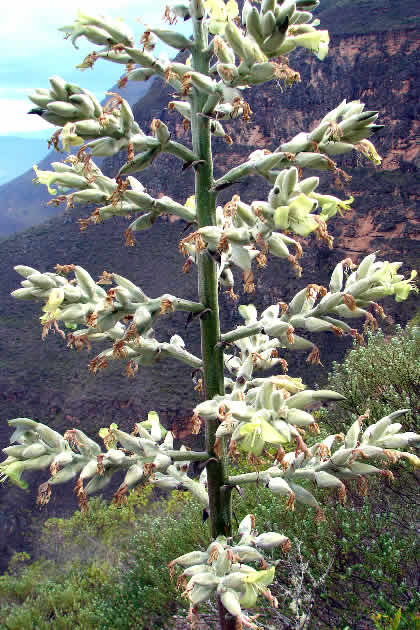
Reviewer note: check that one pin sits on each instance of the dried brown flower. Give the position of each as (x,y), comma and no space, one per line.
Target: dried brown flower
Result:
(120,496)
(44,494)
(313,357)
(195,424)
(81,496)
(129,238)
(98,363)
(64,269)
(196,239)
(230,292)
(249,286)
(105,278)
(119,350)
(70,437)
(166,306)
(295,265)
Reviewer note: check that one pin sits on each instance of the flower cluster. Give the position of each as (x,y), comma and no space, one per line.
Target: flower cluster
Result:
(224,569)
(123,315)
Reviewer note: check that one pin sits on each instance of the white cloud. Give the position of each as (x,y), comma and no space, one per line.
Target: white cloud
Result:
(33,49)
(14,117)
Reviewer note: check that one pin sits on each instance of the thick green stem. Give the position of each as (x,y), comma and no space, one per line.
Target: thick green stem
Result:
(212,355)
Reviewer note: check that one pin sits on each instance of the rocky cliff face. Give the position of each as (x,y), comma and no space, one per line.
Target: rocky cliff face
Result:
(46,381)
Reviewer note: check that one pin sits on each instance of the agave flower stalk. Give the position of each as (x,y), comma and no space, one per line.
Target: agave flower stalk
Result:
(241,409)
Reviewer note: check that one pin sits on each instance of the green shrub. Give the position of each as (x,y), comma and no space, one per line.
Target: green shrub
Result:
(382,376)
(144,598)
(397,621)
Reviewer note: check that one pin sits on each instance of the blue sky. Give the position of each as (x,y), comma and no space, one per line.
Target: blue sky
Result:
(33,50)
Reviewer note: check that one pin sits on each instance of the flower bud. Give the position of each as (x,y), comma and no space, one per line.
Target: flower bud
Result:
(200,593)
(64,110)
(140,162)
(14,451)
(297,144)
(83,104)
(182,107)
(246,525)
(85,282)
(254,26)
(325,480)
(42,281)
(143,222)
(299,417)
(211,235)
(98,482)
(105,147)
(235,38)
(166,204)
(161,131)
(273,42)
(24,270)
(209,409)
(192,558)
(270,540)
(303,496)
(268,23)
(38,463)
(277,246)
(34,450)
(89,470)
(227,72)
(140,74)
(142,320)
(335,148)
(237,235)
(74,312)
(246,553)
(315,324)
(58,88)
(279,486)
(66,473)
(203,83)
(312,160)
(276,328)
(41,100)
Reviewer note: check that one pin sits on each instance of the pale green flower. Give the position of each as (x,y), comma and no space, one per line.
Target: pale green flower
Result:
(317,41)
(45,177)
(51,310)
(403,287)
(12,469)
(220,13)
(257,432)
(367,148)
(386,274)
(248,312)
(190,202)
(296,216)
(69,138)
(330,205)
(254,584)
